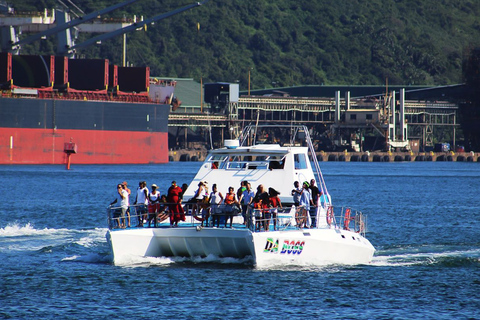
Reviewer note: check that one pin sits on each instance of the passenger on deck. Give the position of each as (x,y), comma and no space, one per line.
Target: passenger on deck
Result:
(141,202)
(243,187)
(216,199)
(275,203)
(231,204)
(163,211)
(296,193)
(174,198)
(261,207)
(121,198)
(182,210)
(316,193)
(246,199)
(125,187)
(200,195)
(153,205)
(302,214)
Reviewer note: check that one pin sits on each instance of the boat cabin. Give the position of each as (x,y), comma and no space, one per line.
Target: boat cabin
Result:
(271,165)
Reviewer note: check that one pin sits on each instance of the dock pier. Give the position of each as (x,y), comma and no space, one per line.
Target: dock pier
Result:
(184,155)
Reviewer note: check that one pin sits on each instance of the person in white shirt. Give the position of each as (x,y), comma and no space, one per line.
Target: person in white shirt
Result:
(216,199)
(141,202)
(303,215)
(153,205)
(121,198)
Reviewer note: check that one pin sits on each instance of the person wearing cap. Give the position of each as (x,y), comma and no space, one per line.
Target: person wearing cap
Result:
(153,205)
(141,202)
(174,198)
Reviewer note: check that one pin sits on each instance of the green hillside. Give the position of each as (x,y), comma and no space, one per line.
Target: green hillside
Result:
(286,43)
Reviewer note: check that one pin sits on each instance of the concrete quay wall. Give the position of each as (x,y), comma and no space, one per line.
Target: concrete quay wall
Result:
(398,156)
(199,155)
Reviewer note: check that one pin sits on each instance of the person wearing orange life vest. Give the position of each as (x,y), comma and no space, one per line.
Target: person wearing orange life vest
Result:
(231,205)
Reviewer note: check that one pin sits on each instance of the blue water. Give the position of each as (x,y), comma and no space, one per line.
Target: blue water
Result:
(423,218)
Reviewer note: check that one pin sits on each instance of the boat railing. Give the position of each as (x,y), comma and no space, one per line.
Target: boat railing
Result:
(257,220)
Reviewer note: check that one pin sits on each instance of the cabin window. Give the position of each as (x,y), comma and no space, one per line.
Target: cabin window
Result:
(353,117)
(369,116)
(217,161)
(300,161)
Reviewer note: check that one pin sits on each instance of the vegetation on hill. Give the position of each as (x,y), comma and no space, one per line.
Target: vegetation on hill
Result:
(286,43)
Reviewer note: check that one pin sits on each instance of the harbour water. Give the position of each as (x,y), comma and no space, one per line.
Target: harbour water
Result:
(423,219)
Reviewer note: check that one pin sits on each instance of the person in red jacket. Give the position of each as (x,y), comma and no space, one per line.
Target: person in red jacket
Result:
(174,198)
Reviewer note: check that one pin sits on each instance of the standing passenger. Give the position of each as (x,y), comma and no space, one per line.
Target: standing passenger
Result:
(316,193)
(125,187)
(200,194)
(230,201)
(216,199)
(153,205)
(141,202)
(174,198)
(261,205)
(246,199)
(122,200)
(296,193)
(274,204)
(303,214)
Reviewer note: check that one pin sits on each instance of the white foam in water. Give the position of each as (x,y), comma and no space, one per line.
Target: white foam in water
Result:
(92,238)
(13,230)
(90,258)
(27,238)
(409,259)
(137,261)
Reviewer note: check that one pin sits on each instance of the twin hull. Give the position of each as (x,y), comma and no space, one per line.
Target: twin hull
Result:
(294,247)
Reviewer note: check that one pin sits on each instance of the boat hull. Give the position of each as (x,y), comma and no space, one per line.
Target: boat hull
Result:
(293,247)
(325,246)
(180,242)
(34,131)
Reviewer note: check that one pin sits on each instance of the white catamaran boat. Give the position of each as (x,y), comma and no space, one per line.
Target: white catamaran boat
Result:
(335,235)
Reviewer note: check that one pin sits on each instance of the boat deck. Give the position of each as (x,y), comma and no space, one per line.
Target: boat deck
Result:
(288,218)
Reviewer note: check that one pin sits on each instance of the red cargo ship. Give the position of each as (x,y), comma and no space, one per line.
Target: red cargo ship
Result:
(113,115)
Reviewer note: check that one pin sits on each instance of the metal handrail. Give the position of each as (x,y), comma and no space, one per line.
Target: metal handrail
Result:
(256,220)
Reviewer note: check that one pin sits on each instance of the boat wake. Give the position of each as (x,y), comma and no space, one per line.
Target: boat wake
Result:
(448,256)
(16,237)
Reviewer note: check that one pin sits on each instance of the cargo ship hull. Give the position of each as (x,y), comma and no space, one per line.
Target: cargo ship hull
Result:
(34,131)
